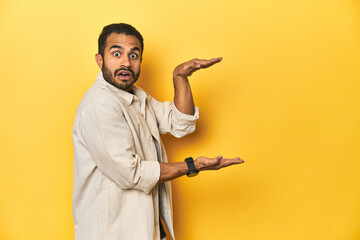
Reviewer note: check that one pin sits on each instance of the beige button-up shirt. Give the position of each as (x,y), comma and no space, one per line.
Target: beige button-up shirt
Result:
(117,145)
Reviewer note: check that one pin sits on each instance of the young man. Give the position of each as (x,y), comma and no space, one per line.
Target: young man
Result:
(121,173)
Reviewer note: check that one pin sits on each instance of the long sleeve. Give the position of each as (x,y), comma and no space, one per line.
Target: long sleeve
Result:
(171,120)
(105,134)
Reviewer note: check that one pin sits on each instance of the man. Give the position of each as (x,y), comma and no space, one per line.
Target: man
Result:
(121,173)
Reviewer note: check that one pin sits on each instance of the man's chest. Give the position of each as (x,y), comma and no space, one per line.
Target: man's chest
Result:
(143,124)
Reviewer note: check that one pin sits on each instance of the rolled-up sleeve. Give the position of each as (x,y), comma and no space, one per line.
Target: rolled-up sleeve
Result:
(105,133)
(171,120)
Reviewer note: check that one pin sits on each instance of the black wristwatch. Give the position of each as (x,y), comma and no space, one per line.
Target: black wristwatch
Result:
(192,170)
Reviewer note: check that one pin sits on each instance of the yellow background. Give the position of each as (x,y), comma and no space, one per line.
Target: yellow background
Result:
(286,98)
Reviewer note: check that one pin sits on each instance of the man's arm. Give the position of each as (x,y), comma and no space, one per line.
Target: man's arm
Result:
(103,134)
(183,98)
(170,171)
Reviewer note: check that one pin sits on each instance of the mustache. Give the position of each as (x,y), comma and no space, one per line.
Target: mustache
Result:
(123,69)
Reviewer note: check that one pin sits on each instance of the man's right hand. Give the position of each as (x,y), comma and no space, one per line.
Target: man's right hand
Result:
(204,163)
(170,171)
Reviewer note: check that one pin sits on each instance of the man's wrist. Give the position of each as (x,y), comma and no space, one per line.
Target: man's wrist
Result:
(178,76)
(197,164)
(191,167)
(180,79)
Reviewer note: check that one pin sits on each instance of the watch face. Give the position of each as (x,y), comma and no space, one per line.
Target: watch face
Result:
(193,174)
(189,159)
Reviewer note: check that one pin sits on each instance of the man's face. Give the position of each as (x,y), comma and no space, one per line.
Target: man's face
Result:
(122,60)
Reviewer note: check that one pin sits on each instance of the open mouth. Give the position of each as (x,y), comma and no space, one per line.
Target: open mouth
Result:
(124,75)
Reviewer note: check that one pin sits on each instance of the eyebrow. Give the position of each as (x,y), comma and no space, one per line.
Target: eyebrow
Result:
(135,49)
(120,47)
(116,46)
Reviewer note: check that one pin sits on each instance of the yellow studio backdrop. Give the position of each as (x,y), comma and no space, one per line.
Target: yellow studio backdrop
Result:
(286,98)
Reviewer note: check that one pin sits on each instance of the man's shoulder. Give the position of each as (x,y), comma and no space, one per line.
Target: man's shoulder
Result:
(98,95)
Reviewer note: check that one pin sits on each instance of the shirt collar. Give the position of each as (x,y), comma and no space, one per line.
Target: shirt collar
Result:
(128,97)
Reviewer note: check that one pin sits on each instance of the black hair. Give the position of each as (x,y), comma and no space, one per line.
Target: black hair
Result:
(118,28)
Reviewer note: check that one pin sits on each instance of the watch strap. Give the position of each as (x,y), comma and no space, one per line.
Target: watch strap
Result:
(191,166)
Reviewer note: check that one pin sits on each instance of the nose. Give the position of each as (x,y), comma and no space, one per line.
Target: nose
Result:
(125,61)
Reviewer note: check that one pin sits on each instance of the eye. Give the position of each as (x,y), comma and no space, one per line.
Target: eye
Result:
(133,55)
(116,54)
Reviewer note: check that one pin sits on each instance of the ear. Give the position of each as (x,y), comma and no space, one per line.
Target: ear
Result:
(99,60)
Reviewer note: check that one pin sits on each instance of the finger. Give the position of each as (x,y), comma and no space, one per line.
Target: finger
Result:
(190,68)
(191,71)
(237,159)
(207,63)
(231,161)
(196,64)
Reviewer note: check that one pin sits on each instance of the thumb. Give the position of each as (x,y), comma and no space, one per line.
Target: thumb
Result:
(195,65)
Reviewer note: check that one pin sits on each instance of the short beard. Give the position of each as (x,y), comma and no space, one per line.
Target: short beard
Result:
(110,78)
